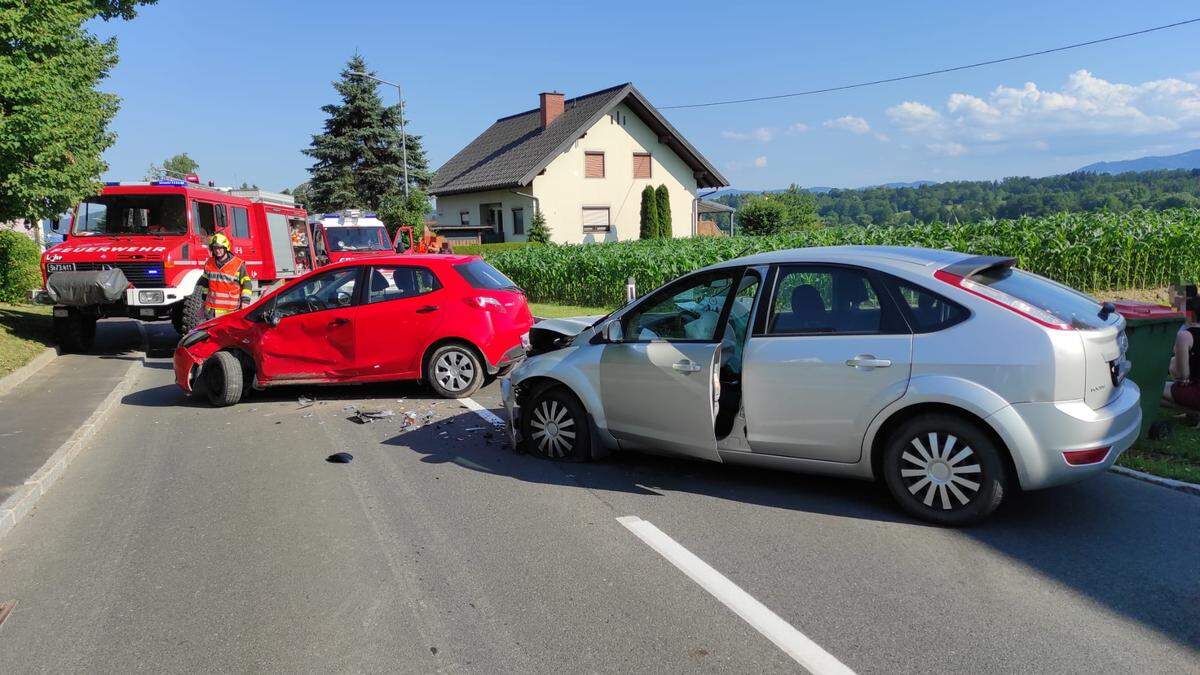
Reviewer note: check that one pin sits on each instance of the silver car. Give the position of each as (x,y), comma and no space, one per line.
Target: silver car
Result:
(952,378)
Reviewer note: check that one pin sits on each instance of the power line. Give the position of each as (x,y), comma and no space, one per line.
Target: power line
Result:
(932,72)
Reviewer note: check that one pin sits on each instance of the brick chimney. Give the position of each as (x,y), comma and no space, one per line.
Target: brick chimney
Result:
(552,107)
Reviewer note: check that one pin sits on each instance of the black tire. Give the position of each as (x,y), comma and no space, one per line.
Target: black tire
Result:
(75,332)
(934,480)
(554,425)
(189,313)
(222,375)
(454,371)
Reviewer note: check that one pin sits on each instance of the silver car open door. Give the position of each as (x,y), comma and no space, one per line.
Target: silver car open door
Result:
(657,377)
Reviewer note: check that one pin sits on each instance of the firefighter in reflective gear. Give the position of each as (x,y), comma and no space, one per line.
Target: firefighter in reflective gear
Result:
(226,279)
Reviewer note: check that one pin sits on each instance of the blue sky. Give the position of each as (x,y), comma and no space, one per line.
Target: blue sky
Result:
(239,85)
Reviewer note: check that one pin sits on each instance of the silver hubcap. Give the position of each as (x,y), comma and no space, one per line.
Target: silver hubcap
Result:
(939,471)
(454,371)
(552,428)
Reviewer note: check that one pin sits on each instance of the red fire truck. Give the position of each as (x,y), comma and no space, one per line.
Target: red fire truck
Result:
(138,250)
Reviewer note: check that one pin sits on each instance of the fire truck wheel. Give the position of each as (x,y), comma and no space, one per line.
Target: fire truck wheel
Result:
(75,332)
(223,379)
(189,313)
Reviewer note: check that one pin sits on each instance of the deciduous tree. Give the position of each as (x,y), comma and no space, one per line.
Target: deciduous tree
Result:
(173,167)
(53,120)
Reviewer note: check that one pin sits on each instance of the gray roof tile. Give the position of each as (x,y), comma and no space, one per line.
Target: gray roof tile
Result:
(514,149)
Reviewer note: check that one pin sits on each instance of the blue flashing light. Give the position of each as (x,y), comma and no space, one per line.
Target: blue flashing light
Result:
(111,183)
(174,182)
(151,271)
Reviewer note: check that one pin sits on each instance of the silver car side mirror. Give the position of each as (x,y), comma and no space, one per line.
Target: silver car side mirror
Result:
(612,331)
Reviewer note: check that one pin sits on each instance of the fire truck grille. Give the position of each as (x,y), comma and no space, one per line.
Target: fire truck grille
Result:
(141,275)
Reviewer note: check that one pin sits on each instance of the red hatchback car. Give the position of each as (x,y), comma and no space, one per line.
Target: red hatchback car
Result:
(450,320)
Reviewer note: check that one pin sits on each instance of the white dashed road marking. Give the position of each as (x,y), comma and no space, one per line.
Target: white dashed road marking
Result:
(487,415)
(794,643)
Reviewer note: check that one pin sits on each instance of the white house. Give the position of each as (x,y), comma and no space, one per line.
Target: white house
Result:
(582,161)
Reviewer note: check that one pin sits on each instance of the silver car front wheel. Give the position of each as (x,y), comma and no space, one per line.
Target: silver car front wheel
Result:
(943,469)
(555,426)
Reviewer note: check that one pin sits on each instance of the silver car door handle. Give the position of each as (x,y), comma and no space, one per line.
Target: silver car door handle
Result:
(686,366)
(868,361)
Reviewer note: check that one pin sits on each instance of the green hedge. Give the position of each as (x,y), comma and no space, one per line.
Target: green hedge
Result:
(19,267)
(1092,251)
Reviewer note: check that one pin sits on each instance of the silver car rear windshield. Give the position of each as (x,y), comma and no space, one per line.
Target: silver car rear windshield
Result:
(1064,302)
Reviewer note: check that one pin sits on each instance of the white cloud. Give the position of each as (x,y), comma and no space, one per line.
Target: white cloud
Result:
(855,125)
(797,128)
(950,149)
(760,134)
(1040,145)
(1085,105)
(759,162)
(882,137)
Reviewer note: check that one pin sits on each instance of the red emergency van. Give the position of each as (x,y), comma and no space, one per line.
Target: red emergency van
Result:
(138,250)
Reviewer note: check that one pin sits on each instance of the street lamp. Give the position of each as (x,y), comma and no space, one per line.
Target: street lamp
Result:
(403,136)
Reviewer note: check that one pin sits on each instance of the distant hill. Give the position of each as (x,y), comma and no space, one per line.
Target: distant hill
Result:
(1184,160)
(914,184)
(973,201)
(819,189)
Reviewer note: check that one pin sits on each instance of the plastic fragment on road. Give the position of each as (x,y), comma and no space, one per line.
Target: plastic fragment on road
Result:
(369,416)
(305,401)
(339,458)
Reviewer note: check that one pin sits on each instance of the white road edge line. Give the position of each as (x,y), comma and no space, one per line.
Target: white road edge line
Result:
(794,643)
(487,415)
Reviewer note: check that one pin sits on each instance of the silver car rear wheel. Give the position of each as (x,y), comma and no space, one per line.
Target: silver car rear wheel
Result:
(943,469)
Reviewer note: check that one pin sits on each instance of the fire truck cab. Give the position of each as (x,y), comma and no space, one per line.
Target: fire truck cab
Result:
(139,249)
(348,234)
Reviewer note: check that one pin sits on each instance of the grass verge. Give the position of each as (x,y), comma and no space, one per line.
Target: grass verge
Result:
(1176,457)
(24,332)
(545,310)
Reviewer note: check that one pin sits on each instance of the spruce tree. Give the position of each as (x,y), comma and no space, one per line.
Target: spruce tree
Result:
(664,212)
(539,233)
(649,214)
(359,159)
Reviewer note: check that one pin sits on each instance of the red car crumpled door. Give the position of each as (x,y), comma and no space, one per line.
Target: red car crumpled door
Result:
(314,339)
(307,347)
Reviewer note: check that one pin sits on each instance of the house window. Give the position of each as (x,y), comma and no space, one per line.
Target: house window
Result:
(641,165)
(464,217)
(595,219)
(518,221)
(593,165)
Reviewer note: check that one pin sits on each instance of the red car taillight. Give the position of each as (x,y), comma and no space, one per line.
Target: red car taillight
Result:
(1034,314)
(1083,457)
(486,303)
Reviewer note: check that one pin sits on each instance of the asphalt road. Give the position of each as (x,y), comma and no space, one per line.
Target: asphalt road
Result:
(196,539)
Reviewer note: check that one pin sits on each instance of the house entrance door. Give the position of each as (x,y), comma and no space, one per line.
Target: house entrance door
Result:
(492,216)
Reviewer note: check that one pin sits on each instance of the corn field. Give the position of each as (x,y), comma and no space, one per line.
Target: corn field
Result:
(1090,251)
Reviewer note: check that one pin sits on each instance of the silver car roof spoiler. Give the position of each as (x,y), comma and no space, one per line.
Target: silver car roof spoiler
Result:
(976,264)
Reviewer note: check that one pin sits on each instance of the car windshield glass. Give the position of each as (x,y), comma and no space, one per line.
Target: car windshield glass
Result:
(131,214)
(482,275)
(1068,304)
(357,239)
